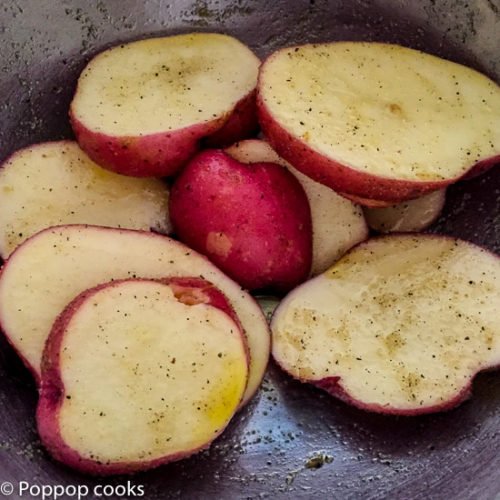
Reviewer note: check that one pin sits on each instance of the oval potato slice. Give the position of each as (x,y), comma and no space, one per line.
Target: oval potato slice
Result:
(142,108)
(138,373)
(378,121)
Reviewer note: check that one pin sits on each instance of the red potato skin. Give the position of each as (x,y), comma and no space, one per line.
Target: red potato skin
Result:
(367,202)
(52,391)
(241,124)
(163,154)
(252,221)
(344,179)
(482,167)
(333,386)
(155,155)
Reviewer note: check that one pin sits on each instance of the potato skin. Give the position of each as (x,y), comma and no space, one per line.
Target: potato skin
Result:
(164,154)
(482,167)
(155,155)
(52,391)
(367,202)
(333,386)
(329,213)
(252,221)
(241,124)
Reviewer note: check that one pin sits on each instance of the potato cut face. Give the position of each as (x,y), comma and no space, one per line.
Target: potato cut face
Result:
(408,216)
(404,321)
(163,84)
(56,183)
(383,109)
(146,376)
(50,269)
(338,224)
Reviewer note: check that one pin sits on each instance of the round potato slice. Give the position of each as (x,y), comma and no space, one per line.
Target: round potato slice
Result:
(141,108)
(400,325)
(163,364)
(56,183)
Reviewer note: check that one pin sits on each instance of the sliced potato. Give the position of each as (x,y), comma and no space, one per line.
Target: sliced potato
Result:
(141,108)
(52,267)
(408,216)
(56,183)
(163,364)
(401,324)
(376,120)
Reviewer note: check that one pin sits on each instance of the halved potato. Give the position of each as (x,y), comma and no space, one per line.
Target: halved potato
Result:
(48,270)
(138,373)
(408,216)
(337,223)
(56,183)
(141,108)
(400,325)
(378,121)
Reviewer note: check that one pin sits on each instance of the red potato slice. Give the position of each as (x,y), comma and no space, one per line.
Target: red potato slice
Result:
(56,183)
(162,363)
(378,121)
(409,216)
(252,221)
(337,223)
(399,325)
(141,108)
(48,270)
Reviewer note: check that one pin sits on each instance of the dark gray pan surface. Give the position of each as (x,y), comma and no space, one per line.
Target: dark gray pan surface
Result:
(266,450)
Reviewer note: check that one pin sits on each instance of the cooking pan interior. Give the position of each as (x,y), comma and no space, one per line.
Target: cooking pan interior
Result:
(292,441)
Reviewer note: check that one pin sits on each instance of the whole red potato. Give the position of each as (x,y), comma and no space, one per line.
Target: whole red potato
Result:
(252,220)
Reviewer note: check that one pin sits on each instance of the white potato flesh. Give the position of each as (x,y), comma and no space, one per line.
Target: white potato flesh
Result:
(146,376)
(163,84)
(49,270)
(404,321)
(338,224)
(408,216)
(56,183)
(384,109)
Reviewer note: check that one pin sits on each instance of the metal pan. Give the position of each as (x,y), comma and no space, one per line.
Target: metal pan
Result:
(292,441)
